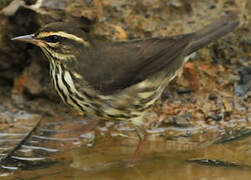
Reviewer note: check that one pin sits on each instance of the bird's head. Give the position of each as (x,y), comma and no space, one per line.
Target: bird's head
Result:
(59,41)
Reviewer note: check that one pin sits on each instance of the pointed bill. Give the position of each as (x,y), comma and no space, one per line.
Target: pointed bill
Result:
(28,38)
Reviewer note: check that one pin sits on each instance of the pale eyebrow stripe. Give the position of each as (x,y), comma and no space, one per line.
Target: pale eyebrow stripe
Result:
(53,44)
(64,35)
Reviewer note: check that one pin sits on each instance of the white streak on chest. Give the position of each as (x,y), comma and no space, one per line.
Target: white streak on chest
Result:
(69,80)
(61,85)
(53,77)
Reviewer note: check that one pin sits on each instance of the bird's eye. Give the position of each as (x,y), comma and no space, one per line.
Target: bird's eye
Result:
(52,39)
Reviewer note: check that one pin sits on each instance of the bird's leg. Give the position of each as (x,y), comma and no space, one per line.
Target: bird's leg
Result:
(142,137)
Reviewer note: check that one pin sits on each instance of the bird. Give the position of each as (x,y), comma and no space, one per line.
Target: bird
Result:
(118,80)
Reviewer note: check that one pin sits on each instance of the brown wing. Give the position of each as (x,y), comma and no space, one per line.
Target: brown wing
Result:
(114,66)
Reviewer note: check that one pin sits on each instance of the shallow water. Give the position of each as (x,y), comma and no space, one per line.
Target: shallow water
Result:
(109,160)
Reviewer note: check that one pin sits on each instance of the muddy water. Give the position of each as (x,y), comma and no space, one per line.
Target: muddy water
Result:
(108,158)
(170,165)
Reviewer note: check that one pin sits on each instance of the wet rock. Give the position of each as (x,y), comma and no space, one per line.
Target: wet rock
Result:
(245,81)
(179,121)
(212,96)
(185,91)
(55,4)
(213,117)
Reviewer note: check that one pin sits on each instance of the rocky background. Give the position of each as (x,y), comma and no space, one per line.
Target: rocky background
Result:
(214,90)
(25,69)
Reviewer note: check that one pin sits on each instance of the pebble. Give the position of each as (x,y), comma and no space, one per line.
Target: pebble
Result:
(212,96)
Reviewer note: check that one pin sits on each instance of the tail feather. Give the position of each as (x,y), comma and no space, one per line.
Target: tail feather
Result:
(213,31)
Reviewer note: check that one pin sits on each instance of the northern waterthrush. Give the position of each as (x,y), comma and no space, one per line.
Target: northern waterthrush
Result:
(118,80)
